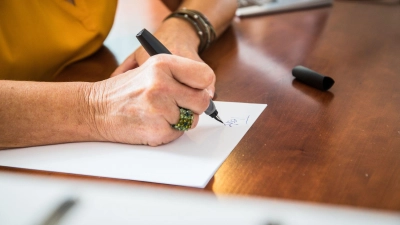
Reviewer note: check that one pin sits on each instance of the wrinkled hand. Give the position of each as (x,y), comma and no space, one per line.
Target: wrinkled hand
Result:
(177,41)
(139,106)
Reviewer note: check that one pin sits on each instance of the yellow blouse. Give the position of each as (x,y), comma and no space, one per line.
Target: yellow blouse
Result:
(38,38)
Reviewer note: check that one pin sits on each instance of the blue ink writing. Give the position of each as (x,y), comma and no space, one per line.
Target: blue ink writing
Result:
(236,121)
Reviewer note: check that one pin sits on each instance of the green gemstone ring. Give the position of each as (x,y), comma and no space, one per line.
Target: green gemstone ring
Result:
(185,120)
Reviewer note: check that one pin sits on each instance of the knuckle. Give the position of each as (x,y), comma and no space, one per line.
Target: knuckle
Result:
(159,61)
(208,76)
(153,107)
(157,90)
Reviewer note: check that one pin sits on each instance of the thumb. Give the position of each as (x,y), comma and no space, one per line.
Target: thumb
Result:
(128,64)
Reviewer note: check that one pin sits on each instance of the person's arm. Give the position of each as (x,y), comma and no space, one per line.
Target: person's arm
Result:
(37,113)
(179,36)
(137,107)
(219,13)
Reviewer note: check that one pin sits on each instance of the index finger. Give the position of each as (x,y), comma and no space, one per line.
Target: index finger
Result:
(187,71)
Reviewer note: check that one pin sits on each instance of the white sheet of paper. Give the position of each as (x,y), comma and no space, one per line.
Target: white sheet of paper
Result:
(191,160)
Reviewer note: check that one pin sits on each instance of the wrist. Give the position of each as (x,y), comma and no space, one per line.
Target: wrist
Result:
(199,23)
(178,35)
(92,95)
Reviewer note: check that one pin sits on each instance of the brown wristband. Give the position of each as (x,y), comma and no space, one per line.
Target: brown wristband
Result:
(199,22)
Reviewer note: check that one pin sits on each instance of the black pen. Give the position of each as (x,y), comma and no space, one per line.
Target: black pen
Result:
(154,47)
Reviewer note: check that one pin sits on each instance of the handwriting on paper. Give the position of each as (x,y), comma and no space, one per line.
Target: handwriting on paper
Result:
(237,121)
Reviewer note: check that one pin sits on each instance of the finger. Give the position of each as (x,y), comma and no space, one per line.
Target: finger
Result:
(183,96)
(172,116)
(211,89)
(189,72)
(169,137)
(176,117)
(128,64)
(195,100)
(196,119)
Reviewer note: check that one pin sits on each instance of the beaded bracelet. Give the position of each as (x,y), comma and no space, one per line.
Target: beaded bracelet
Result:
(203,27)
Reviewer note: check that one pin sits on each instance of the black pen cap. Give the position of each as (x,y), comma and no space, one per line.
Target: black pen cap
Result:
(312,78)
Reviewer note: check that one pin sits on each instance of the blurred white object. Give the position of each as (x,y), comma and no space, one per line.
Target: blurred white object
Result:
(28,200)
(256,7)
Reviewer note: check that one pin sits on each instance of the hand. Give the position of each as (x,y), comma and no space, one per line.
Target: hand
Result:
(179,38)
(139,106)
(139,56)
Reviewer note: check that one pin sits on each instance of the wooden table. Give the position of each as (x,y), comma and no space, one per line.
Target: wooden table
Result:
(338,147)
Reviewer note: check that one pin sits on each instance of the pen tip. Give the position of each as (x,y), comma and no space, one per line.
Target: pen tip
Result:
(218,119)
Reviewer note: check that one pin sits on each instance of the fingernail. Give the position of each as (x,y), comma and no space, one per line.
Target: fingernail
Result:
(211,93)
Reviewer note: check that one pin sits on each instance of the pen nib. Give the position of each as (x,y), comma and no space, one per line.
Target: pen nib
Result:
(218,119)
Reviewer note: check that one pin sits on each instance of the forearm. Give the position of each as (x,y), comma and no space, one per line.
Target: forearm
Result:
(219,13)
(180,37)
(39,113)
